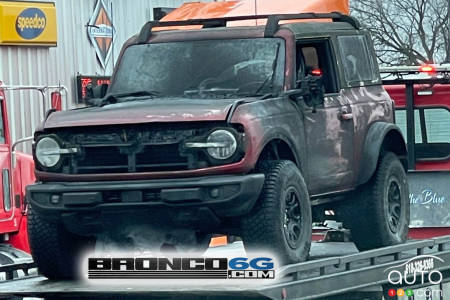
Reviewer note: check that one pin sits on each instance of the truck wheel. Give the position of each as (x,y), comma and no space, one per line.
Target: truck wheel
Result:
(55,251)
(281,221)
(380,216)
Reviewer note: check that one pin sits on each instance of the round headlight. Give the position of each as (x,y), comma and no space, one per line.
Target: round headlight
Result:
(225,144)
(48,152)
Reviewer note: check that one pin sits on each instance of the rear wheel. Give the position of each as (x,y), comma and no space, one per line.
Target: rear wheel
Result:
(280,222)
(380,215)
(56,251)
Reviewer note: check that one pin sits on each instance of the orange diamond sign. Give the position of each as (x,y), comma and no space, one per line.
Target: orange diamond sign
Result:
(101,32)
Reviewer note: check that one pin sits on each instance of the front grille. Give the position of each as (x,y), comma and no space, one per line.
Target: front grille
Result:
(129,150)
(122,159)
(133,149)
(161,157)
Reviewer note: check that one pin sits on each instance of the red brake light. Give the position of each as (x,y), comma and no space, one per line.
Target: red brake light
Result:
(427,69)
(316,72)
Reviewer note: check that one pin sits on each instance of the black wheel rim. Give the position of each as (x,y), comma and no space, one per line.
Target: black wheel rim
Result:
(292,222)
(394,205)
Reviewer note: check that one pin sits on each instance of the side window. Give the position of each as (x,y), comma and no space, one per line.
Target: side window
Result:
(438,125)
(358,64)
(400,120)
(315,58)
(432,131)
(2,129)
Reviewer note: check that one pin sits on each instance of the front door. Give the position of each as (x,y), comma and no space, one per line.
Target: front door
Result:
(329,127)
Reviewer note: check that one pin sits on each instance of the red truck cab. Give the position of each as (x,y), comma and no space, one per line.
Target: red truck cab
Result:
(17,171)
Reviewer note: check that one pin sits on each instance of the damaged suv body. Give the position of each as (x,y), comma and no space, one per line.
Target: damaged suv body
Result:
(247,131)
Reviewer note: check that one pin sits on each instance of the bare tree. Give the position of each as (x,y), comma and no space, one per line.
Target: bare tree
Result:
(406,32)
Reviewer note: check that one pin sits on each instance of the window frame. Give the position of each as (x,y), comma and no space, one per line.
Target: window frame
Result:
(424,130)
(2,124)
(331,60)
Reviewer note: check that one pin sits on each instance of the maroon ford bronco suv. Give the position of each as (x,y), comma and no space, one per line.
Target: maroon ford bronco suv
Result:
(246,131)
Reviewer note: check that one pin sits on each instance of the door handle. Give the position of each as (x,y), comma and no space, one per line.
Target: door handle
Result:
(345,116)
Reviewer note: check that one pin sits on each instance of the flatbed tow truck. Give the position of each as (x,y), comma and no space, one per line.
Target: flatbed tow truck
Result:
(339,276)
(336,270)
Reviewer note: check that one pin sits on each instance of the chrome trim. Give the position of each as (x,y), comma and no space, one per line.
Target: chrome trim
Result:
(206,145)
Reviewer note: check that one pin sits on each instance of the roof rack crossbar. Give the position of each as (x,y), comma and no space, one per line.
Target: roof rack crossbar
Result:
(273,20)
(271,27)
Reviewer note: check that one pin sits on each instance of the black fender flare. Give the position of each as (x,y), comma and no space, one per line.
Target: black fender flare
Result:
(278,134)
(381,135)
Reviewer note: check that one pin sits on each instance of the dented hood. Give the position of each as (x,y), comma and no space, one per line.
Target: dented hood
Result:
(145,111)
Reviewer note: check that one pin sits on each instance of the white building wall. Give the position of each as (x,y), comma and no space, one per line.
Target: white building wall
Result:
(74,54)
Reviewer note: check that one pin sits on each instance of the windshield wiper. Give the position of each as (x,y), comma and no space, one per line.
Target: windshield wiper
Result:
(270,77)
(114,98)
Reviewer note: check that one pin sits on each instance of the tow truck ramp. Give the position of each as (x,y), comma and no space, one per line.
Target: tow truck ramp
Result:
(355,276)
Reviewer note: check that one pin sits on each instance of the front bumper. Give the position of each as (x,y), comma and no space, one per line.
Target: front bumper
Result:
(201,200)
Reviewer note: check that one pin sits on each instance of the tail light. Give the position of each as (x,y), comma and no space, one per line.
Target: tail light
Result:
(56,100)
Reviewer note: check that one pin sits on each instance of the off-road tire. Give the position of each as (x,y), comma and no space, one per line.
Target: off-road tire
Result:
(56,251)
(370,218)
(263,228)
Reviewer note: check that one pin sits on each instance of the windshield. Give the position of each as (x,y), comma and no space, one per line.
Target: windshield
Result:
(212,68)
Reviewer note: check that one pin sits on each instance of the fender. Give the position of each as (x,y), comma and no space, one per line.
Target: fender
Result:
(26,164)
(277,134)
(381,135)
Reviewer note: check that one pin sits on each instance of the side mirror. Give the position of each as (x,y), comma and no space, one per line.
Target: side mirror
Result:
(98,91)
(56,101)
(313,90)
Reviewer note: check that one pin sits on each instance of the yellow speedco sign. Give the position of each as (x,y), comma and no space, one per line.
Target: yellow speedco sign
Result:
(28,23)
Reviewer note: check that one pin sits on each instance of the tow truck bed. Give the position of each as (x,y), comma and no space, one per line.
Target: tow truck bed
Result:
(343,273)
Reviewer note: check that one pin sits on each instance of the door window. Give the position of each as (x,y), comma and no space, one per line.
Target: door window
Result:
(2,127)
(314,58)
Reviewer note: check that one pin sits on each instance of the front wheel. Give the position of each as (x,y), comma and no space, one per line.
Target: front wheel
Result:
(56,251)
(281,221)
(380,216)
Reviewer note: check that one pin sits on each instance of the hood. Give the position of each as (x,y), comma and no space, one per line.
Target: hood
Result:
(144,111)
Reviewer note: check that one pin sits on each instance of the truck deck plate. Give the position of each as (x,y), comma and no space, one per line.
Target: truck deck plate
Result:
(343,270)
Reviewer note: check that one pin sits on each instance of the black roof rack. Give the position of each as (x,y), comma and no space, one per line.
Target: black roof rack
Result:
(270,30)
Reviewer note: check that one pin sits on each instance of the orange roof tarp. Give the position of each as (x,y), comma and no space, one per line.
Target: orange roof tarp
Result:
(199,10)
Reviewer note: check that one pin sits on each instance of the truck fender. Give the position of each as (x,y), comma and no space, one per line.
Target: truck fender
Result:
(380,136)
(26,164)
(23,176)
